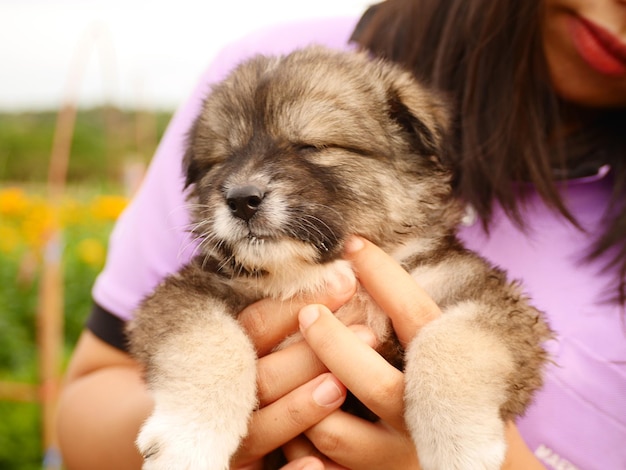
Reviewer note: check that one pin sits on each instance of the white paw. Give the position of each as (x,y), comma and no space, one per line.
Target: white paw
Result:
(171,442)
(455,383)
(466,452)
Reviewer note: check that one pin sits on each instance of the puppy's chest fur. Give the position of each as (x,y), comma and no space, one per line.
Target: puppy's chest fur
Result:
(212,280)
(207,279)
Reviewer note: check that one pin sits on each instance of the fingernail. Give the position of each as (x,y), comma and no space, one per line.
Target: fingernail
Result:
(308,315)
(353,244)
(327,393)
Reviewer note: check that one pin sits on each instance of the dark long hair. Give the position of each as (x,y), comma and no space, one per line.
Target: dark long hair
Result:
(487,56)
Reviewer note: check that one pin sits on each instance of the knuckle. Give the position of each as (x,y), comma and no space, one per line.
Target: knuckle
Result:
(254,321)
(381,391)
(267,383)
(327,441)
(297,416)
(322,340)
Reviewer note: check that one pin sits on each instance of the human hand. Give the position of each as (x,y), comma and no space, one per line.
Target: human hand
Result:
(291,398)
(341,440)
(341,437)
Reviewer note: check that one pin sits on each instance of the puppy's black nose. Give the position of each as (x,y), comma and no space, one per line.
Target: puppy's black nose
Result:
(244,201)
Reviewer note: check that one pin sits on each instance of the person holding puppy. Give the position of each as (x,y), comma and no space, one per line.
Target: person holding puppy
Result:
(539,100)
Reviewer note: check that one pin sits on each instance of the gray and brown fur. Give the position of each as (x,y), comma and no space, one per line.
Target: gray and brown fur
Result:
(289,156)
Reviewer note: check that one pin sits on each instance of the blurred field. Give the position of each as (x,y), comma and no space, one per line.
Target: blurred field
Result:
(105,143)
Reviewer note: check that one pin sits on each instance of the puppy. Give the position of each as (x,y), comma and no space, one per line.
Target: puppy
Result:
(289,156)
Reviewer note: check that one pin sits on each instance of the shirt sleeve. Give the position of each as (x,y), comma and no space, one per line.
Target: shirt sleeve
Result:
(151,239)
(107,327)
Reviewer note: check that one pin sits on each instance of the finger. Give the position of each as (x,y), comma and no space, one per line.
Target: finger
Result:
(304,463)
(375,382)
(408,306)
(301,450)
(278,423)
(269,321)
(300,447)
(359,444)
(277,375)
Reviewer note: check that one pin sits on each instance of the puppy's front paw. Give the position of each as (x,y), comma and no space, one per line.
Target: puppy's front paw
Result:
(168,442)
(456,380)
(475,449)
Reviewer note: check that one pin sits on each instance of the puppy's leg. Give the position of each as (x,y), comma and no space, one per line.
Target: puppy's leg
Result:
(203,378)
(456,382)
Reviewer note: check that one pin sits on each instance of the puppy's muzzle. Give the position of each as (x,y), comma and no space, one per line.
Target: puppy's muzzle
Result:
(244,201)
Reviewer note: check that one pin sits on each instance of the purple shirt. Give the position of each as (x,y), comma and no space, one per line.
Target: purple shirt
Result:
(577,421)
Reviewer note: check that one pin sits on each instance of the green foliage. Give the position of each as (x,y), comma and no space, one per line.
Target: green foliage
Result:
(102,143)
(88,221)
(20,441)
(25,143)
(103,139)
(17,333)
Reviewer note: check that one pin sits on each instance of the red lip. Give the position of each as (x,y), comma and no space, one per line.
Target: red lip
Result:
(599,48)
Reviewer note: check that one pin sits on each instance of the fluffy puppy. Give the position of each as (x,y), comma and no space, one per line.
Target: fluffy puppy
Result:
(289,156)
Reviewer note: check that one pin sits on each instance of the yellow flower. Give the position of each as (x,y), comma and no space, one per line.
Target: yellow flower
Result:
(9,239)
(91,251)
(13,202)
(39,223)
(71,213)
(108,207)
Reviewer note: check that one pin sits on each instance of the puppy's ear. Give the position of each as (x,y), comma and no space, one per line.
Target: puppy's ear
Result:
(422,115)
(191,166)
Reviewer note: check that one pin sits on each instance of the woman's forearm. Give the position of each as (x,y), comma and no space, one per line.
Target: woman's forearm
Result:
(519,456)
(99,417)
(102,405)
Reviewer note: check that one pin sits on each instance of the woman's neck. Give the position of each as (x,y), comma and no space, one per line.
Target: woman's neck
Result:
(578,141)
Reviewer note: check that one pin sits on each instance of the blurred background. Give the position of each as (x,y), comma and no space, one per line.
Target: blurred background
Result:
(87,88)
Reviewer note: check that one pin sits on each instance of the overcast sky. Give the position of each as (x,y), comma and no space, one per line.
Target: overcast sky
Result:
(136,52)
